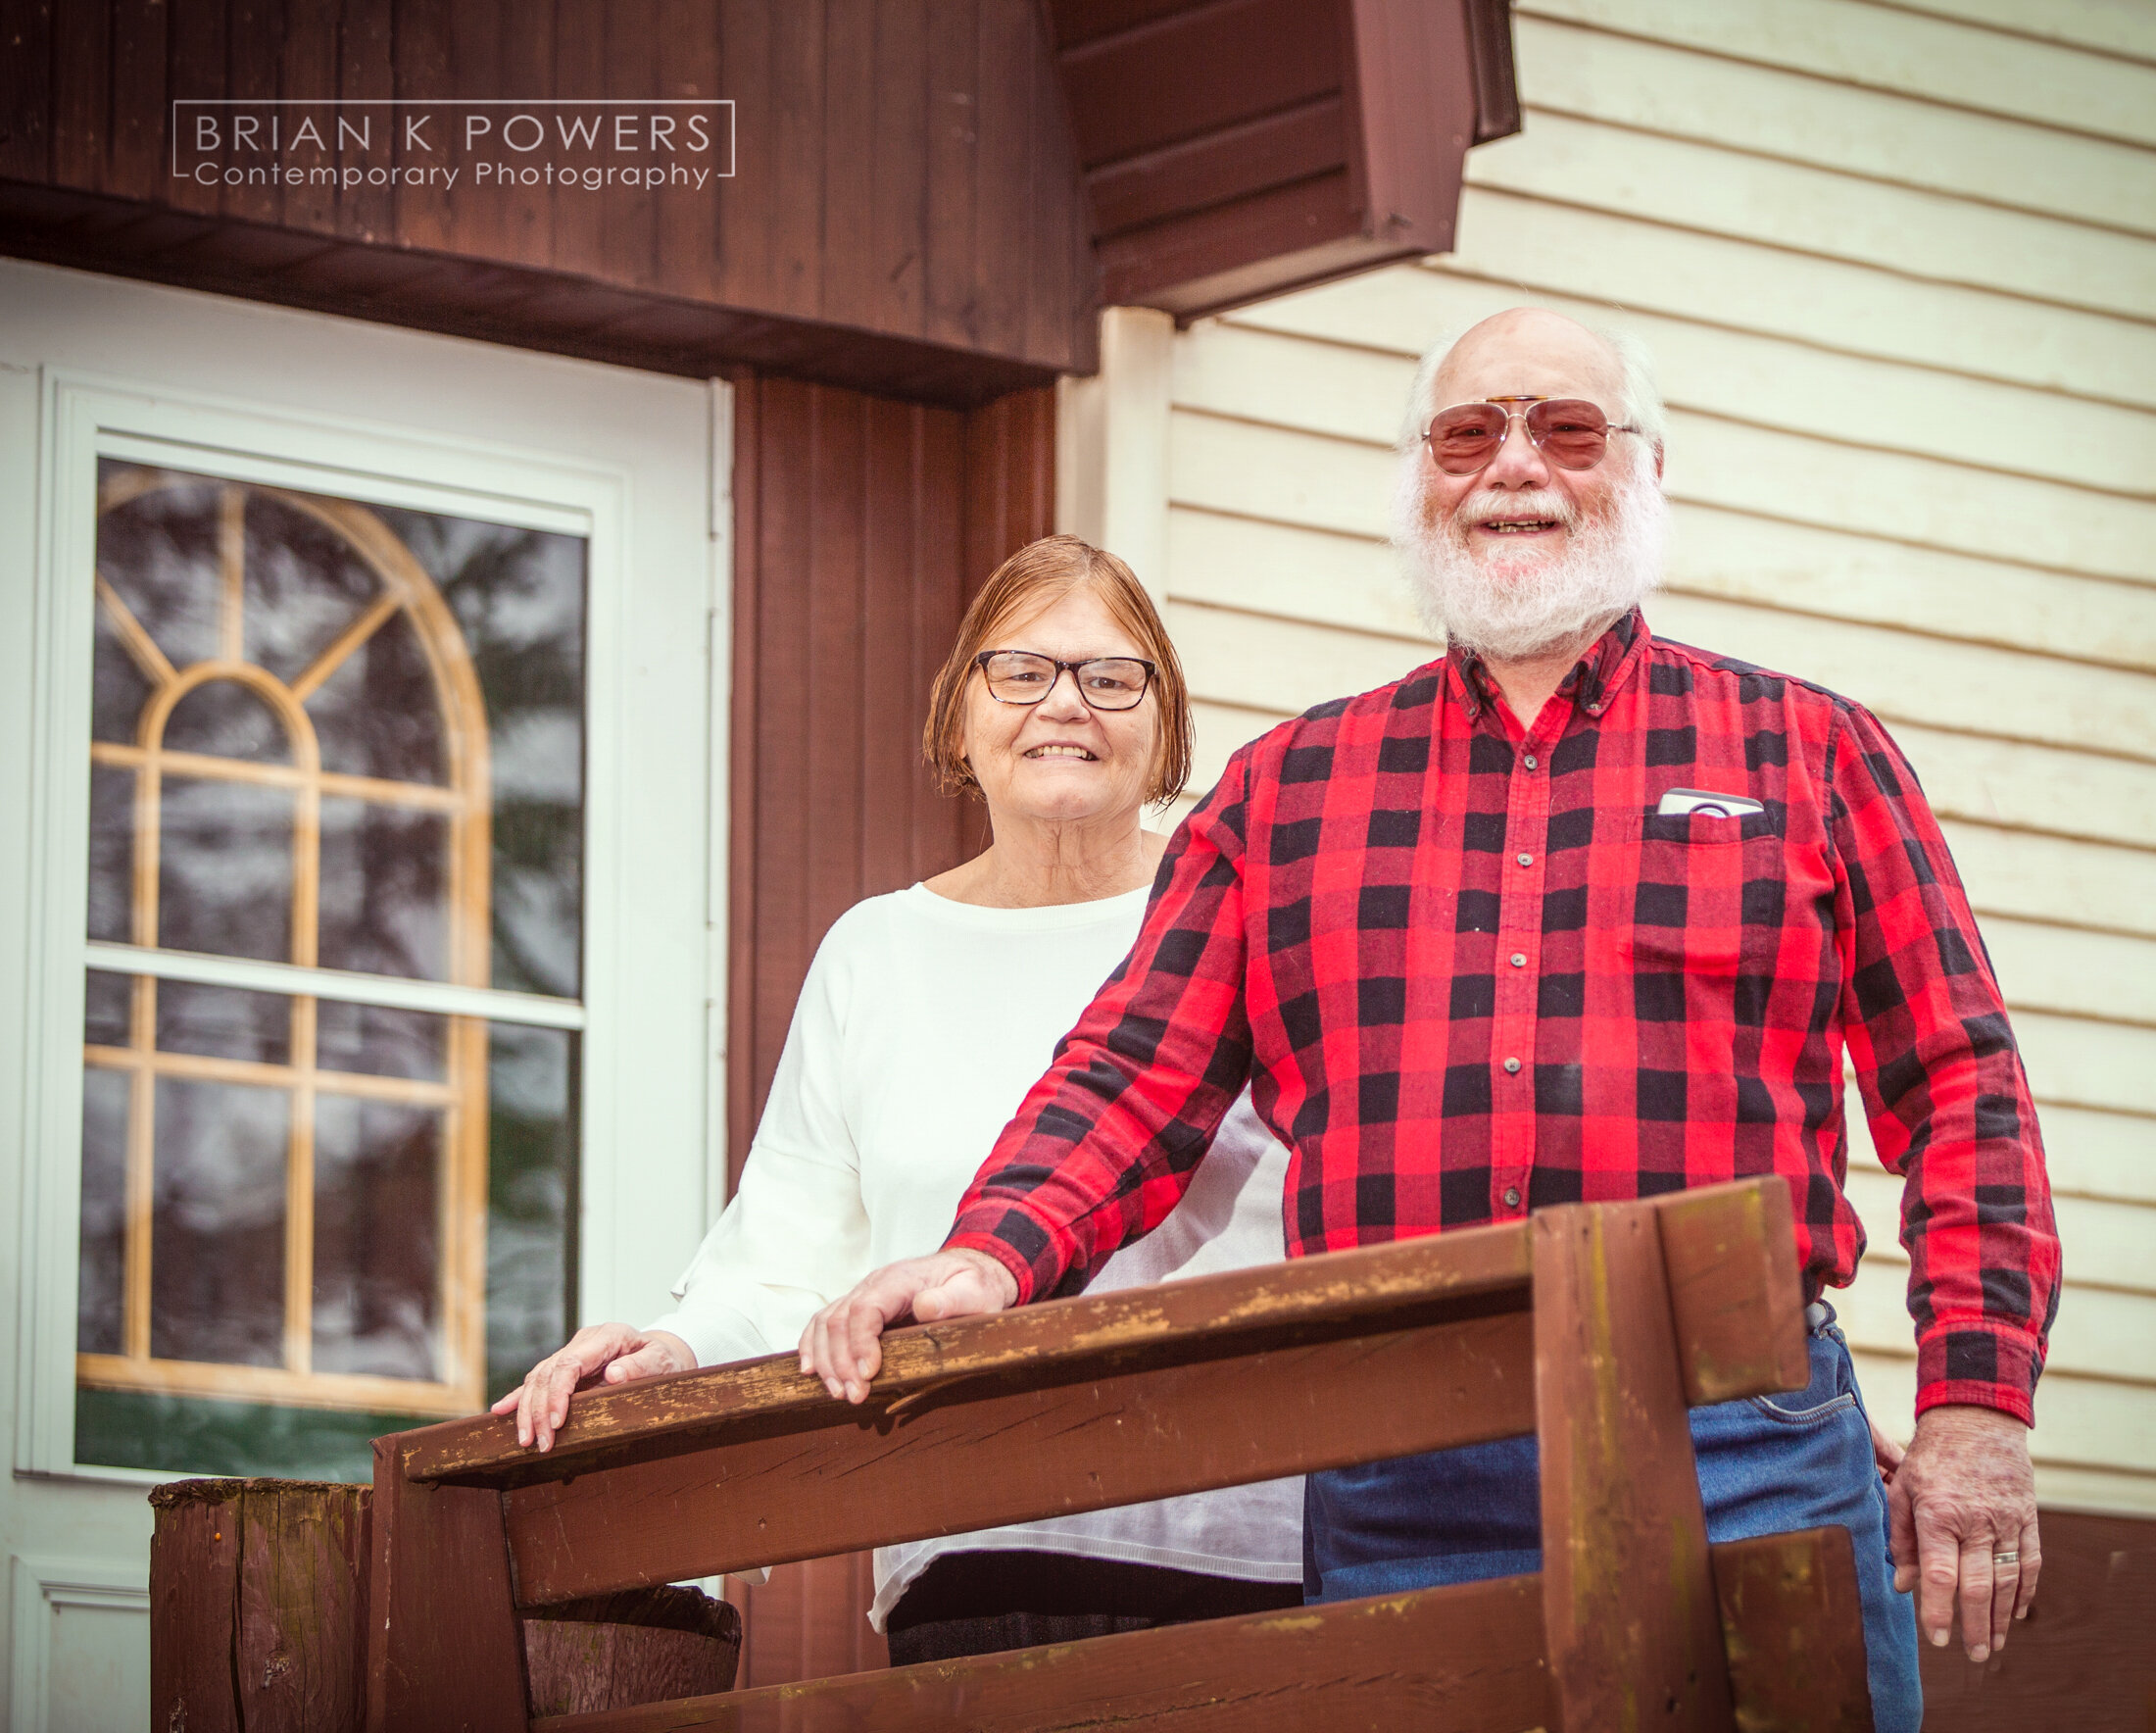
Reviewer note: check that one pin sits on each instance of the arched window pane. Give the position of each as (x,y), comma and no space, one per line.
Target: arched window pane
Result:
(376,1217)
(158,552)
(216,1223)
(104,1238)
(380,714)
(224,868)
(304,584)
(222,719)
(384,905)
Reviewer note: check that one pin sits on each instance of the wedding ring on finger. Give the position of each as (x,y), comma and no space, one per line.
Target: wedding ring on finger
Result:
(2013,1558)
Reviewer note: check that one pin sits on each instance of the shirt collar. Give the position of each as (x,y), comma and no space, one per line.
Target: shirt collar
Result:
(1594,677)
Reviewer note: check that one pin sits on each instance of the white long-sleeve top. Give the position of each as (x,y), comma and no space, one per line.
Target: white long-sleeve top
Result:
(919,1029)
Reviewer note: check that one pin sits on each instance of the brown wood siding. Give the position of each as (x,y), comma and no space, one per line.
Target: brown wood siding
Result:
(862,526)
(907,210)
(1233,149)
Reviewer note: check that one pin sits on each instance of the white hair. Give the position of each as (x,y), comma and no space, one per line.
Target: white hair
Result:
(1642,404)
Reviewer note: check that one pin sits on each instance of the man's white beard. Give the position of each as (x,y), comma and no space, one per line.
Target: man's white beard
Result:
(1511,608)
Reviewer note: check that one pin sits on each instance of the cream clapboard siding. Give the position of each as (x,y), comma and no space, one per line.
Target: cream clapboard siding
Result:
(1897,268)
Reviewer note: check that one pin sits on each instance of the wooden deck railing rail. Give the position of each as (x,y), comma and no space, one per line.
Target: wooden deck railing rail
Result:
(1594,1326)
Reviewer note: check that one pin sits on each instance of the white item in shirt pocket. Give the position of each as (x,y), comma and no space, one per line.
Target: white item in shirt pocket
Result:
(1708,801)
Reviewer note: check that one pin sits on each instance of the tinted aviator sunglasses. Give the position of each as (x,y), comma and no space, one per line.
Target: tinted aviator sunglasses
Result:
(1570,431)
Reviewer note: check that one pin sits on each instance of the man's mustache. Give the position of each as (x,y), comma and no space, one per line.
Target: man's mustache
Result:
(1491,505)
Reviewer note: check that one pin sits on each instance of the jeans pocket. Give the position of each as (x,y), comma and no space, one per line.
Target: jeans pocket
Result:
(1794,1410)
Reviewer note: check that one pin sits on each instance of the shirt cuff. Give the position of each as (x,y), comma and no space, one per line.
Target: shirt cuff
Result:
(969,1235)
(1979,1364)
(717,1336)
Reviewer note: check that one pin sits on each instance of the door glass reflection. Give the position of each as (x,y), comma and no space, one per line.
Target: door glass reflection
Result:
(104,1241)
(217,1233)
(376,1184)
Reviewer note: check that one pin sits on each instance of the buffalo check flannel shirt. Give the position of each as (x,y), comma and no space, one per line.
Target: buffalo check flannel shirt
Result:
(1470,970)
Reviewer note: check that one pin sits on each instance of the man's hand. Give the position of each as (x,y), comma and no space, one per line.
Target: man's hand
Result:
(841,1344)
(1963,1503)
(1887,1452)
(614,1353)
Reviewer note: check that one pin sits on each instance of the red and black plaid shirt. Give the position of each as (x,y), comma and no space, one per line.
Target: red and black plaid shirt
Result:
(1469,972)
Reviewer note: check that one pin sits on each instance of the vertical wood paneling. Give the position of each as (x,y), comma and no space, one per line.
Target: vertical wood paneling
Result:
(634,63)
(949,302)
(137,130)
(891,584)
(27,91)
(81,92)
(864,526)
(942,828)
(365,71)
(806,1622)
(425,217)
(848,292)
(688,239)
(836,581)
(744,766)
(897,238)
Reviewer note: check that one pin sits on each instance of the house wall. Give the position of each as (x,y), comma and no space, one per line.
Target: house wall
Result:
(1895,264)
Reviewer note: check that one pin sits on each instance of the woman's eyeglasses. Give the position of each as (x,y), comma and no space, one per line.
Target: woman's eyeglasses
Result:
(1570,431)
(1105,682)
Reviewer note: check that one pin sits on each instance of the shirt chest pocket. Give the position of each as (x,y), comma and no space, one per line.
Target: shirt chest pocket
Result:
(1703,883)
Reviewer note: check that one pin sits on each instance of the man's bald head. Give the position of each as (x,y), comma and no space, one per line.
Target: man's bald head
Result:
(1537,352)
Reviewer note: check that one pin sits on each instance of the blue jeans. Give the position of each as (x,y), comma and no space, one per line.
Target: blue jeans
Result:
(1766,1465)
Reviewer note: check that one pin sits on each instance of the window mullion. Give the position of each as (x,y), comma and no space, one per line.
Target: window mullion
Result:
(299,1196)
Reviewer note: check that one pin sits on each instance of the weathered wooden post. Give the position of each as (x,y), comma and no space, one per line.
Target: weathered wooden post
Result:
(258,1619)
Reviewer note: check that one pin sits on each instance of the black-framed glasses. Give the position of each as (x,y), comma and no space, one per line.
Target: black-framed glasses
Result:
(1025,676)
(1570,431)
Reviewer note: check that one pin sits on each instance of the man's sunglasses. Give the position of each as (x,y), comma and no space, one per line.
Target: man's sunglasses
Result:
(1570,431)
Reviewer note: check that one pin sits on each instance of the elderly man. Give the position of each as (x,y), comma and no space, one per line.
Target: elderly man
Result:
(1570,914)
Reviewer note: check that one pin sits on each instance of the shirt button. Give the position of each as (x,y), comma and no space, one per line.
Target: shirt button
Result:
(1519,960)
(1594,709)
(1529,761)
(1525,860)
(1511,1196)
(1512,1064)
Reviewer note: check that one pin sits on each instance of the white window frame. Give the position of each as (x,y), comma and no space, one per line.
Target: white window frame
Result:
(86,416)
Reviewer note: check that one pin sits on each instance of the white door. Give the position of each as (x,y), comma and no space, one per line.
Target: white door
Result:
(359,902)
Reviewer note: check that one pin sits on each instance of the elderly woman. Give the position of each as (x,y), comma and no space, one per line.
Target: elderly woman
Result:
(925,1017)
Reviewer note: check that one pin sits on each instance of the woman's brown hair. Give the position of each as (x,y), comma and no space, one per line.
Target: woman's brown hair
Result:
(1038,574)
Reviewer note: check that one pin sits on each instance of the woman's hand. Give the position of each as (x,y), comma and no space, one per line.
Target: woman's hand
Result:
(840,1346)
(612,1353)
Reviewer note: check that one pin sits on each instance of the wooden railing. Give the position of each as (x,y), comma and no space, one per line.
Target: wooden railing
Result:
(1594,1326)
